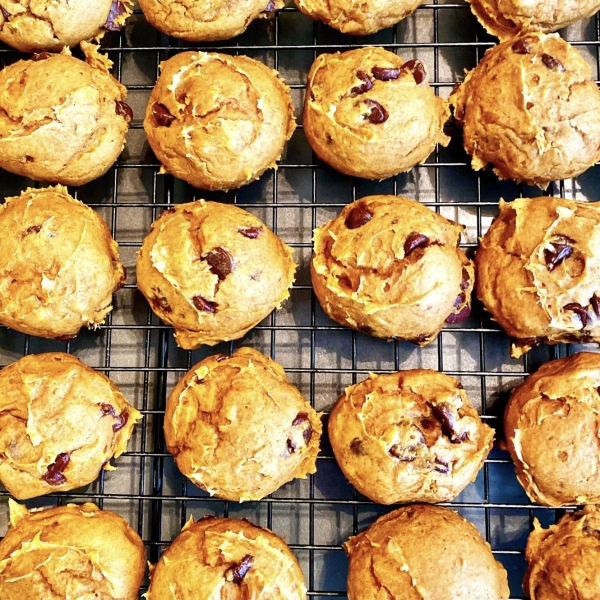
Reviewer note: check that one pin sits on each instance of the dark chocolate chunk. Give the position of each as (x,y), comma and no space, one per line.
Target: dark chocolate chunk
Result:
(441,466)
(417,69)
(356,446)
(378,113)
(447,415)
(579,310)
(385,73)
(54,473)
(161,115)
(220,262)
(365,86)
(33,229)
(205,305)
(124,110)
(358,216)
(251,232)
(521,47)
(413,241)
(300,418)
(122,421)
(595,300)
(117,8)
(4,12)
(556,257)
(552,63)
(460,316)
(237,572)
(291,446)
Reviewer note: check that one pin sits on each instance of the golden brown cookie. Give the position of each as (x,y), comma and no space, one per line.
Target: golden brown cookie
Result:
(564,560)
(60,423)
(542,122)
(423,551)
(45,25)
(552,426)
(226,558)
(218,121)
(51,243)
(70,552)
(61,119)
(239,429)
(367,113)
(538,272)
(356,18)
(206,21)
(508,18)
(410,436)
(391,267)
(213,271)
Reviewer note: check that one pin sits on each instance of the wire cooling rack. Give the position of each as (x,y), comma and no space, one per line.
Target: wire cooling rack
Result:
(137,351)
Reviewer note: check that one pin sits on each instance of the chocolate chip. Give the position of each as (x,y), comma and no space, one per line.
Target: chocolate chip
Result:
(160,304)
(365,86)
(117,8)
(459,316)
(401,453)
(378,113)
(300,418)
(4,12)
(521,47)
(552,63)
(417,69)
(447,415)
(161,115)
(219,261)
(124,110)
(385,73)
(556,257)
(237,572)
(291,446)
(205,305)
(41,56)
(54,473)
(441,466)
(596,304)
(270,7)
(466,280)
(427,424)
(251,232)
(413,241)
(358,216)
(108,409)
(356,446)
(123,418)
(33,229)
(579,310)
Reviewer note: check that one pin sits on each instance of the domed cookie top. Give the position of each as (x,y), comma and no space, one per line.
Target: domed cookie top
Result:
(45,25)
(564,560)
(538,271)
(206,21)
(367,113)
(61,119)
(552,426)
(218,121)
(410,436)
(356,18)
(390,267)
(239,429)
(51,243)
(213,271)
(508,18)
(226,558)
(60,424)
(70,552)
(423,551)
(542,123)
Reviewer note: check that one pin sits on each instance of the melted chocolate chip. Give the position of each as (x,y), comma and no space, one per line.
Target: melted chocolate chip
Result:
(4,12)
(596,304)
(466,280)
(556,257)
(291,446)
(237,572)
(365,86)
(219,261)
(580,311)
(441,466)
(251,232)
(160,304)
(447,415)
(117,8)
(124,110)
(358,216)
(33,229)
(205,305)
(552,63)
(413,241)
(41,56)
(521,47)
(161,115)
(123,418)
(54,474)
(356,446)
(417,69)
(300,418)
(378,113)
(385,73)
(459,316)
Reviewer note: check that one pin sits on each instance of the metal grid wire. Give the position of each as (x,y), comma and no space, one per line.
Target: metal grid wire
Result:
(138,352)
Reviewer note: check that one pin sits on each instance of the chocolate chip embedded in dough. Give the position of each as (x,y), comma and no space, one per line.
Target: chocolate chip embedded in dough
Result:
(220,262)
(237,572)
(413,241)
(579,310)
(161,115)
(417,68)
(205,305)
(124,110)
(365,86)
(378,113)
(385,73)
(552,63)
(358,216)
(251,232)
(54,473)
(117,9)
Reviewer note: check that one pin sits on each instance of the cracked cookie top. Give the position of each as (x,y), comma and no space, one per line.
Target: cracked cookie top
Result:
(538,271)
(61,119)
(226,558)
(564,559)
(218,121)
(358,18)
(423,551)
(50,245)
(207,21)
(508,18)
(213,271)
(552,426)
(60,424)
(47,25)
(239,429)
(410,436)
(70,552)
(532,110)
(391,267)
(367,113)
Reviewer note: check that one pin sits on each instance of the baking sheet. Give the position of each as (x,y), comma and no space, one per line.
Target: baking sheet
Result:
(316,515)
